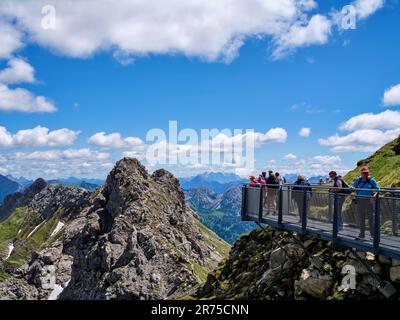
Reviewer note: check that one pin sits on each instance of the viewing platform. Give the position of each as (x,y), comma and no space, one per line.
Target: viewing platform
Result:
(322,212)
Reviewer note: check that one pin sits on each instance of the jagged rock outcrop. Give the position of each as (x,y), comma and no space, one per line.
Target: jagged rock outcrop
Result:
(136,239)
(259,269)
(35,217)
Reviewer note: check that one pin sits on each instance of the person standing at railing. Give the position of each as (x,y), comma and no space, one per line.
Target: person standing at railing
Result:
(261,181)
(340,188)
(253,182)
(300,186)
(280,178)
(365,187)
(272,193)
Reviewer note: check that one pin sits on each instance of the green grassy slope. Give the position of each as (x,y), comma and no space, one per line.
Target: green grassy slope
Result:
(384,165)
(28,232)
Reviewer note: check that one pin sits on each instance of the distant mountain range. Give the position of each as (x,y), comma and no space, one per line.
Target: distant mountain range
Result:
(216,181)
(7,187)
(220,212)
(292,177)
(87,184)
(9,184)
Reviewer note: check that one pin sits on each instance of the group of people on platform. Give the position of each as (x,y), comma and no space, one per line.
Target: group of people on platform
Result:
(365,188)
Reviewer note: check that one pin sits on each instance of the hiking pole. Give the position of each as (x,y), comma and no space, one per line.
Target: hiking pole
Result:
(384,287)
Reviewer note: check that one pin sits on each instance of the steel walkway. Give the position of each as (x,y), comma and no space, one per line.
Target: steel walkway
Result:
(318,211)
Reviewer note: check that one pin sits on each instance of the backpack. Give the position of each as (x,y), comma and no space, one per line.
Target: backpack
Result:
(345,186)
(368,181)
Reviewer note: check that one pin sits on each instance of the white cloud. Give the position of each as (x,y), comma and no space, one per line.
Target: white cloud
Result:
(18,71)
(37,137)
(316,31)
(391,96)
(365,8)
(114,140)
(290,156)
(10,39)
(68,154)
(384,120)
(46,164)
(305,132)
(23,101)
(277,135)
(327,159)
(212,30)
(367,140)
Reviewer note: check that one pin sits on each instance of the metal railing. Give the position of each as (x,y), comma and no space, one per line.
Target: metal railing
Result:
(340,215)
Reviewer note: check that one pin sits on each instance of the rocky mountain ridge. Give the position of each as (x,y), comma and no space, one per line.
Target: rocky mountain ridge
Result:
(134,238)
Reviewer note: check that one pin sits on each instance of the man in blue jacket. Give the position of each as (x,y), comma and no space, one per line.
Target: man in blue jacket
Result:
(366,188)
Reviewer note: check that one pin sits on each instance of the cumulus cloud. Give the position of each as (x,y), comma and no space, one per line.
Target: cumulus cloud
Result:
(327,159)
(212,30)
(368,132)
(316,31)
(22,100)
(10,39)
(46,164)
(312,166)
(18,71)
(367,140)
(391,96)
(68,154)
(114,140)
(365,8)
(290,156)
(305,132)
(37,137)
(384,120)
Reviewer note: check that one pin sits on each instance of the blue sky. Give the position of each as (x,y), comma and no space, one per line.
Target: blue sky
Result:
(319,82)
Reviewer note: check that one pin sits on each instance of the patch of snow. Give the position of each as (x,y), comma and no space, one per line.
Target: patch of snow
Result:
(33,231)
(19,231)
(10,249)
(58,289)
(59,226)
(56,292)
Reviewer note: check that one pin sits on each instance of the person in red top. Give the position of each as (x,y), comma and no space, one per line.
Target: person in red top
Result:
(261,181)
(253,182)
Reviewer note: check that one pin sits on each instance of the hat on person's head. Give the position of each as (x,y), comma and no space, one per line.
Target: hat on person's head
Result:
(252,177)
(333,173)
(300,178)
(365,169)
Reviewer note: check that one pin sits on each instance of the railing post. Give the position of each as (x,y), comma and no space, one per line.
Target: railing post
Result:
(304,213)
(261,209)
(280,206)
(335,217)
(244,203)
(394,215)
(377,223)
